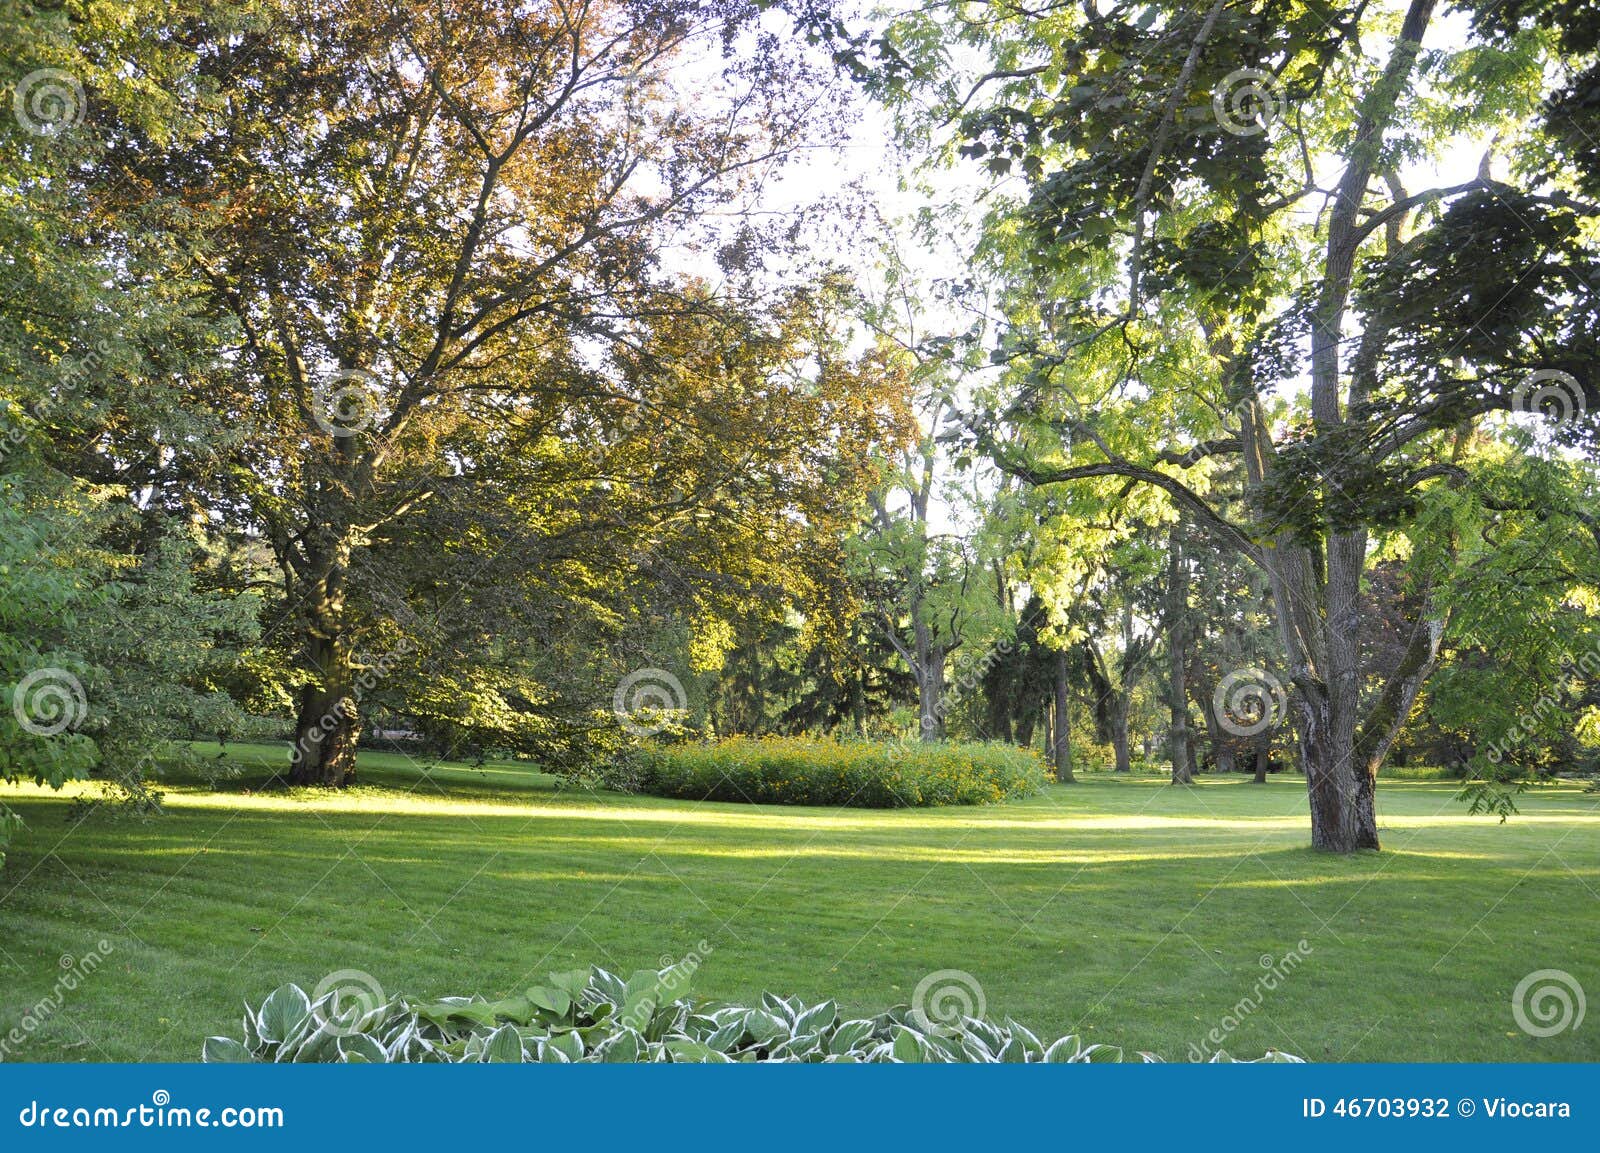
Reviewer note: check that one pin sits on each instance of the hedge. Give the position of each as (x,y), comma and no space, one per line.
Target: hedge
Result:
(809,771)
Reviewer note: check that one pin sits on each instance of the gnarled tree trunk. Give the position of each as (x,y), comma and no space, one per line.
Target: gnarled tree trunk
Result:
(328,721)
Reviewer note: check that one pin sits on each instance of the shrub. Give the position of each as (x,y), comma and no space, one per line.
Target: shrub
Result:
(596,1016)
(9,824)
(807,771)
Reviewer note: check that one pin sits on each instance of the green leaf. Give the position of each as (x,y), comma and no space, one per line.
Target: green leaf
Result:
(555,1001)
(361,1049)
(503,1046)
(817,1019)
(687,1051)
(571,983)
(622,1048)
(726,1036)
(850,1035)
(569,1044)
(608,986)
(764,1028)
(283,1014)
(1013,1052)
(908,1047)
(224,1050)
(1062,1051)
(1102,1054)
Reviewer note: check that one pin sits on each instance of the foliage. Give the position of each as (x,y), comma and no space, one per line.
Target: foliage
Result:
(386,303)
(865,774)
(107,646)
(49,573)
(596,1016)
(1173,307)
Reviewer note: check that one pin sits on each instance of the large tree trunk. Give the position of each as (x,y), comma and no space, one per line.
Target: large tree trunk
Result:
(1344,816)
(328,722)
(930,683)
(1061,739)
(1120,707)
(1326,660)
(1204,694)
(1178,658)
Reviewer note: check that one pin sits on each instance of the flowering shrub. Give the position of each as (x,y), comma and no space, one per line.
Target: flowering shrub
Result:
(808,771)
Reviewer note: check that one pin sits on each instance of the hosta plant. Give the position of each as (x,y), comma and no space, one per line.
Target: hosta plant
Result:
(597,1016)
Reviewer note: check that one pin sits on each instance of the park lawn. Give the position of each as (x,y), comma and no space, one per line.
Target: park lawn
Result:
(1121,908)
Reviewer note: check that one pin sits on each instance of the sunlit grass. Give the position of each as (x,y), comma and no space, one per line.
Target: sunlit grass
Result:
(1122,908)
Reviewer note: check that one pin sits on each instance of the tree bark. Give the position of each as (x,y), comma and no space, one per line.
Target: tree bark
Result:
(328,721)
(1061,739)
(930,659)
(1120,707)
(1178,660)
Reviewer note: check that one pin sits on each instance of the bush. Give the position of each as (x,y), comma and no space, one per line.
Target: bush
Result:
(596,1016)
(9,823)
(806,771)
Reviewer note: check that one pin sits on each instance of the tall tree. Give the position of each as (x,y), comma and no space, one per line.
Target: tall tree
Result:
(452,239)
(108,642)
(1168,157)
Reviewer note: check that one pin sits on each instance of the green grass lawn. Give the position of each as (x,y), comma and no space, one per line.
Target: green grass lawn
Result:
(1123,909)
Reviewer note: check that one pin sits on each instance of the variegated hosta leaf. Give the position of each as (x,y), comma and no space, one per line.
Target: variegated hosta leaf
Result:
(594,1015)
